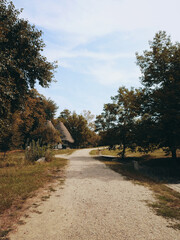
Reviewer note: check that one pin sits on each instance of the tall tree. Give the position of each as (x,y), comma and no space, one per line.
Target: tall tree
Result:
(89,118)
(64,115)
(160,67)
(30,123)
(77,125)
(21,62)
(119,117)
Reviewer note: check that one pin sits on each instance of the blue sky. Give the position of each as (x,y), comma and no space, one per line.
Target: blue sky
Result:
(94,42)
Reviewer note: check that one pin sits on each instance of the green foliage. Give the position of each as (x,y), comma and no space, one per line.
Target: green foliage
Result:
(161,78)
(78,127)
(118,119)
(34,151)
(50,108)
(21,61)
(148,118)
(21,65)
(30,124)
(5,133)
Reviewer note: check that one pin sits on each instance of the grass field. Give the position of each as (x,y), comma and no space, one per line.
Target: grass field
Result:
(159,153)
(19,179)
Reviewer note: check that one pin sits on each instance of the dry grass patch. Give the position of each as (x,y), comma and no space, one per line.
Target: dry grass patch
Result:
(94,152)
(19,180)
(104,152)
(64,151)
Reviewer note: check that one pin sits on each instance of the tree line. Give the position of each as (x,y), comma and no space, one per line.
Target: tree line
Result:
(149,117)
(23,111)
(22,66)
(81,127)
(140,119)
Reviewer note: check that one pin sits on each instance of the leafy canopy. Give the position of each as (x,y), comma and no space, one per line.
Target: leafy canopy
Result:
(160,67)
(22,64)
(79,128)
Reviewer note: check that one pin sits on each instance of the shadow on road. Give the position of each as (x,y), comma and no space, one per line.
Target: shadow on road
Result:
(88,167)
(92,167)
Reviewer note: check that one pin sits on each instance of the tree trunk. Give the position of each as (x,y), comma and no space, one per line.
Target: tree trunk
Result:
(173,152)
(124,150)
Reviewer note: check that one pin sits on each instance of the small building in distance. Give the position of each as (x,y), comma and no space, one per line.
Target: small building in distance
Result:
(65,135)
(50,135)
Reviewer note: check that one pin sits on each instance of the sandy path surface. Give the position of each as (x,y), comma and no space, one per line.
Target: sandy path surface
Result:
(95,204)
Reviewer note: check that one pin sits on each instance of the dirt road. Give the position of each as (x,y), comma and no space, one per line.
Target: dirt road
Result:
(95,204)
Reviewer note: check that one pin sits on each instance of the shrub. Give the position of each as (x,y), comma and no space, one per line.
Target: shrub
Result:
(49,155)
(34,151)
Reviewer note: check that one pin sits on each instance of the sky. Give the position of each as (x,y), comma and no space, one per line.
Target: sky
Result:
(94,42)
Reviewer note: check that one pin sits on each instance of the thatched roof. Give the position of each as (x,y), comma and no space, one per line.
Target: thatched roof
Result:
(50,126)
(64,133)
(50,134)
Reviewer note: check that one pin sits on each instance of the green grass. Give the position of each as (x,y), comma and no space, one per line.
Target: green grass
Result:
(19,179)
(167,202)
(104,152)
(159,153)
(64,151)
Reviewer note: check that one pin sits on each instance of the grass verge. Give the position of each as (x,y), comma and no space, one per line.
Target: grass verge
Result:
(159,153)
(19,179)
(64,151)
(167,201)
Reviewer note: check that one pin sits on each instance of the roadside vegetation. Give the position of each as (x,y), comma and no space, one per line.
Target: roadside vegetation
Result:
(144,119)
(147,118)
(156,164)
(81,126)
(20,178)
(145,123)
(155,171)
(67,151)
(158,153)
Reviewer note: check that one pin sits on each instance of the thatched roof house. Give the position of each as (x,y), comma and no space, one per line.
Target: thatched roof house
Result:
(50,134)
(50,126)
(64,133)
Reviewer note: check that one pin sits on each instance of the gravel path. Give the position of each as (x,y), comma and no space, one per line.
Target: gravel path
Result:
(95,204)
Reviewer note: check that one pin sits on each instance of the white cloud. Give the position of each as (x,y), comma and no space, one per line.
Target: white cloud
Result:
(81,21)
(108,74)
(88,19)
(70,25)
(54,53)
(103,66)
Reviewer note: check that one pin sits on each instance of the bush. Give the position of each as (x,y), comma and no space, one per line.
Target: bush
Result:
(34,151)
(49,155)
